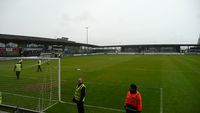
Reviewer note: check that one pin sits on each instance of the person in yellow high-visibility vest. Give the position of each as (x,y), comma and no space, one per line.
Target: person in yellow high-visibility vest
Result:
(39,66)
(20,61)
(0,98)
(17,69)
(79,95)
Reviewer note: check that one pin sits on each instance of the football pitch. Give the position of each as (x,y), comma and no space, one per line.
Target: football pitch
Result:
(168,83)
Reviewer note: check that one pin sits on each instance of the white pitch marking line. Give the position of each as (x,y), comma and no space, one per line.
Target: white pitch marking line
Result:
(56,101)
(19,95)
(91,106)
(161,100)
(50,106)
(98,107)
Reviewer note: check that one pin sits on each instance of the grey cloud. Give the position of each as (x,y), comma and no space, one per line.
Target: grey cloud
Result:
(67,19)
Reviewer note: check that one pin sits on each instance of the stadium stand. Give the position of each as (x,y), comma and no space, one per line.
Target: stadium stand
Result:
(17,45)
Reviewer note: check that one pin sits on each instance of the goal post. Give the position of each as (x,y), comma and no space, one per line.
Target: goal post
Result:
(59,81)
(36,90)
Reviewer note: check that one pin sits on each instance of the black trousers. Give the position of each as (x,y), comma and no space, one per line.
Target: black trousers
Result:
(80,107)
(39,68)
(131,109)
(17,74)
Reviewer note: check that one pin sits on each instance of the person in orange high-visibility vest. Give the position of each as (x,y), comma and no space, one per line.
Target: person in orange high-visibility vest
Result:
(133,101)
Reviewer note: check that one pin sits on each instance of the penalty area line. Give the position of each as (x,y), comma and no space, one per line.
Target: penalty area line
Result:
(97,107)
(49,106)
(161,100)
(32,97)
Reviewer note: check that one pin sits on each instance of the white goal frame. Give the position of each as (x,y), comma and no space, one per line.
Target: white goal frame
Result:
(59,80)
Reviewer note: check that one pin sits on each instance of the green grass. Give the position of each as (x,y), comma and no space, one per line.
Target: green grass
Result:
(107,78)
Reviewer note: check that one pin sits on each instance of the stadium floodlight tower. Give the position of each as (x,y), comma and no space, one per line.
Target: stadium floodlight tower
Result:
(34,91)
(87,35)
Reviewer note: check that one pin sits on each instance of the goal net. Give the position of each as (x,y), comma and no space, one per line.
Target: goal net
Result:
(36,89)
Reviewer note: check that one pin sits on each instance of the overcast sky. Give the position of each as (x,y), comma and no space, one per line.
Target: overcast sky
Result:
(110,22)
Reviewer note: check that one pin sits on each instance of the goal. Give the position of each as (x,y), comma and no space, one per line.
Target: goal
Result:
(35,90)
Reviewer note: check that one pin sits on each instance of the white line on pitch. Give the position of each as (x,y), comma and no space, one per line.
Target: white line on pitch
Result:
(91,106)
(98,107)
(50,106)
(161,100)
(19,95)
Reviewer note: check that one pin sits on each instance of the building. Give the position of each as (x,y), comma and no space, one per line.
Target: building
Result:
(17,45)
